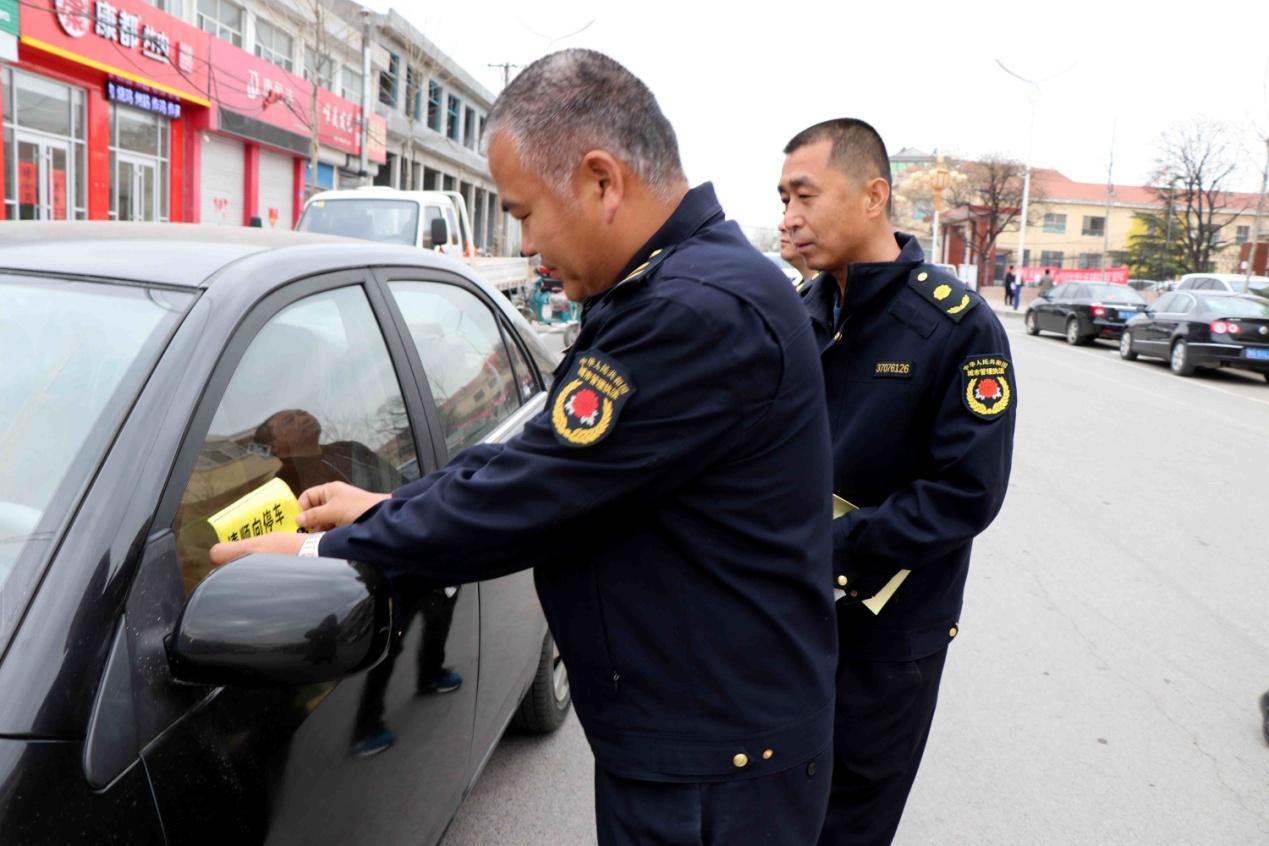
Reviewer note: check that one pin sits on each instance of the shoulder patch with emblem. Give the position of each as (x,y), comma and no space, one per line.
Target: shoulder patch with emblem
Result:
(986,386)
(943,291)
(587,406)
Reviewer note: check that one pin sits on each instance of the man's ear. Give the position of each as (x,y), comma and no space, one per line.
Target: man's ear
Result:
(877,194)
(603,181)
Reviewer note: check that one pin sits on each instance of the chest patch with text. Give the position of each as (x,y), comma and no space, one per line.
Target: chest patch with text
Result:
(893,370)
(586,409)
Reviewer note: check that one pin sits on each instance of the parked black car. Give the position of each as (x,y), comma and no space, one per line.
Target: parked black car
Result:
(1084,311)
(1193,329)
(165,386)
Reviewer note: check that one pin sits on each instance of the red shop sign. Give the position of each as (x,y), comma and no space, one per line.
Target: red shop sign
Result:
(126,38)
(259,89)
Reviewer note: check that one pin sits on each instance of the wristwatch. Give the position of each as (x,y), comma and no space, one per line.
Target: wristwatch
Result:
(311,543)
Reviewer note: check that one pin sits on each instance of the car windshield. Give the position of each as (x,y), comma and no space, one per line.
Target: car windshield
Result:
(74,356)
(389,221)
(1236,306)
(1115,294)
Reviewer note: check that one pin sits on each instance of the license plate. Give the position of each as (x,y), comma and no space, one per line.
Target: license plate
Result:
(1126,315)
(1257,354)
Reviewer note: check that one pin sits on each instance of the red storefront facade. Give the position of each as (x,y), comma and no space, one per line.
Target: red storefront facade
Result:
(114,108)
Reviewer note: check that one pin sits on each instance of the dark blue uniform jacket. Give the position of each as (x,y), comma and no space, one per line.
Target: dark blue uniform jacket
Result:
(922,399)
(673,499)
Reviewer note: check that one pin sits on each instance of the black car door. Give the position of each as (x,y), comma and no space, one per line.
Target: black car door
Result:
(481,388)
(1043,307)
(1052,317)
(309,390)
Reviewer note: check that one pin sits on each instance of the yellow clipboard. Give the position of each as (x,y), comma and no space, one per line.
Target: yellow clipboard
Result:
(878,600)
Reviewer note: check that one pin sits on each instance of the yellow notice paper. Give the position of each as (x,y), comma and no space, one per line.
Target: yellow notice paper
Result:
(269,508)
(878,601)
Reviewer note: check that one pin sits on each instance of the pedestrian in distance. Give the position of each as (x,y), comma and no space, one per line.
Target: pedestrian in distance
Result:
(922,398)
(1046,281)
(790,253)
(1013,287)
(673,496)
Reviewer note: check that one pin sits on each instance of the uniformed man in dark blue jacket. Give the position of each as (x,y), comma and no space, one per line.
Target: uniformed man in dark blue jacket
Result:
(922,397)
(673,498)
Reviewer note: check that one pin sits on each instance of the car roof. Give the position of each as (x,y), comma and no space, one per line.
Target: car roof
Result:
(382,192)
(182,254)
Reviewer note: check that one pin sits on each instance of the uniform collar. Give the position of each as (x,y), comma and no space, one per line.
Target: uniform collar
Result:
(698,209)
(867,282)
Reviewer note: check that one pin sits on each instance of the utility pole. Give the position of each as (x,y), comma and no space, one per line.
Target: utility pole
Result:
(506,72)
(1167,243)
(1260,209)
(365,97)
(1110,191)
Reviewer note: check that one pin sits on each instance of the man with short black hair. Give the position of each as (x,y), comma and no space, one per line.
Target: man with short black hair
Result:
(921,397)
(673,497)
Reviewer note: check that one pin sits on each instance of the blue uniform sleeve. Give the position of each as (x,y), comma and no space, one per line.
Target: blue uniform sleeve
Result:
(496,510)
(969,453)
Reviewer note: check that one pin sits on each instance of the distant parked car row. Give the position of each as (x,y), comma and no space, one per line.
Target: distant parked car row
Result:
(1208,322)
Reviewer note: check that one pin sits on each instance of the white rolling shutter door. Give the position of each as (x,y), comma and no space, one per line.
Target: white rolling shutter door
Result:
(277,189)
(221,190)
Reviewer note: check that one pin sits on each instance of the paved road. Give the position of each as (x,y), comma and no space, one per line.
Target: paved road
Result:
(1114,641)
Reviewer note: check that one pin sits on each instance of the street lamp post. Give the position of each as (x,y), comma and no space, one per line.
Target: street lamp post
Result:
(1026,175)
(938,182)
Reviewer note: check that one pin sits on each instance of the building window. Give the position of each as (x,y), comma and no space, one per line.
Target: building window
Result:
(1094,226)
(433,105)
(1051,258)
(1090,261)
(44,132)
(480,139)
(352,85)
(413,93)
(138,165)
(274,45)
(222,19)
(321,69)
(161,5)
(1118,258)
(1242,235)
(388,80)
(451,123)
(1055,223)
(469,128)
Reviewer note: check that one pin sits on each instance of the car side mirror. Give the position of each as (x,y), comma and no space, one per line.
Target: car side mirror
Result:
(440,232)
(280,619)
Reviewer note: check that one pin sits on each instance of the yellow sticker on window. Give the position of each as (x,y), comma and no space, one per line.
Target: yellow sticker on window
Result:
(272,507)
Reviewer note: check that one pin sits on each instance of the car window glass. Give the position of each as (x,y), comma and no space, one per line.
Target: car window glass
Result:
(1232,306)
(75,355)
(463,356)
(1185,285)
(1164,303)
(1184,304)
(524,373)
(313,400)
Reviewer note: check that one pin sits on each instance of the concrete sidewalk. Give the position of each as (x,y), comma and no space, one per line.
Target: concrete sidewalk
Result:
(995,297)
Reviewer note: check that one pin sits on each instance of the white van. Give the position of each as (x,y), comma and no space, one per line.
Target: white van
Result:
(430,220)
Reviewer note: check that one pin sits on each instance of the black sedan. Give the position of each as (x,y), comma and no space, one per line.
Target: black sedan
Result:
(1084,311)
(1196,329)
(168,386)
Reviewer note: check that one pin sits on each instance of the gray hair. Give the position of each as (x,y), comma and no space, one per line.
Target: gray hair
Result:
(573,101)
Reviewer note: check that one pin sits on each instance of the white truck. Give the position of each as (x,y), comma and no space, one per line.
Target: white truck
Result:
(429,220)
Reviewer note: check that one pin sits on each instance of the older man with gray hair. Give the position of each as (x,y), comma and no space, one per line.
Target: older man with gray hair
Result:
(672,498)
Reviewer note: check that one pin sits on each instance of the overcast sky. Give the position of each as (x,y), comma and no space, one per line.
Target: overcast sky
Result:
(737,80)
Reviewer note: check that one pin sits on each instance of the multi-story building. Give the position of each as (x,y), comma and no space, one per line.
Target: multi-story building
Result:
(212,110)
(436,114)
(1085,226)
